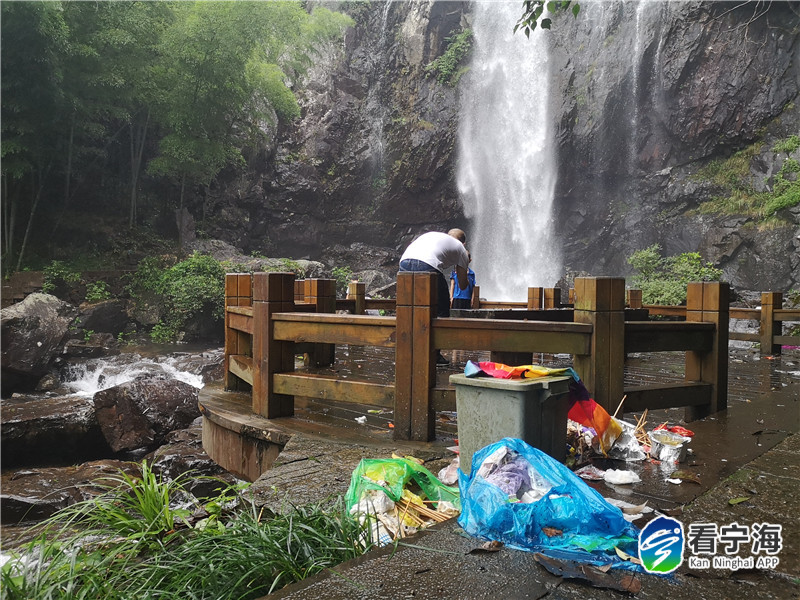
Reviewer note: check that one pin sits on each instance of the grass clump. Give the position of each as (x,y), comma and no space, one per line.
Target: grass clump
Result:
(734,178)
(145,537)
(663,280)
(447,68)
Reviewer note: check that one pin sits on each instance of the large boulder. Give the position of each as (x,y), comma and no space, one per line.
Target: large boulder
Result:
(50,431)
(33,332)
(109,316)
(139,414)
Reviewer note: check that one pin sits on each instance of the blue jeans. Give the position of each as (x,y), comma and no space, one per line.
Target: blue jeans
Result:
(412,265)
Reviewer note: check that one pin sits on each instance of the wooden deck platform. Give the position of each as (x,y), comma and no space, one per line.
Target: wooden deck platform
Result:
(247,444)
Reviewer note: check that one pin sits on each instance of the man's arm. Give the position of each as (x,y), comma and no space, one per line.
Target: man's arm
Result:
(461,273)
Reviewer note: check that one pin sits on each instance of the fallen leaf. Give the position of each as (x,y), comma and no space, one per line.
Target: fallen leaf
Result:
(735,501)
(492,546)
(625,556)
(552,531)
(634,510)
(686,476)
(672,512)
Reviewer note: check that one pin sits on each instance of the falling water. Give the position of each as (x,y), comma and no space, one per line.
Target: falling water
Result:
(507,169)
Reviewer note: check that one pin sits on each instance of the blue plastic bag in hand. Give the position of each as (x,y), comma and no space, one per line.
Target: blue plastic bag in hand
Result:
(522,497)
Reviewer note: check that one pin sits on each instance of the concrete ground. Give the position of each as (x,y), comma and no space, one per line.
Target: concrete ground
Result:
(442,562)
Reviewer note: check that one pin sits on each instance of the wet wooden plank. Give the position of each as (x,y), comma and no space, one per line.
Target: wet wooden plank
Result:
(330,388)
(242,367)
(649,336)
(336,331)
(667,396)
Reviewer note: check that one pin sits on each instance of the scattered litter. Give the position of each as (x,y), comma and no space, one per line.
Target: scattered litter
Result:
(685,476)
(361,420)
(381,492)
(491,546)
(524,498)
(449,474)
(597,576)
(667,446)
(627,447)
(671,480)
(675,429)
(590,473)
(620,476)
(631,512)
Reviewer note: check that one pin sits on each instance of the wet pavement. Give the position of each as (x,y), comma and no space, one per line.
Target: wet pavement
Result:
(749,453)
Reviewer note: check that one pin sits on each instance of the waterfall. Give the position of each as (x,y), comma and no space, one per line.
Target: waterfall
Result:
(507,169)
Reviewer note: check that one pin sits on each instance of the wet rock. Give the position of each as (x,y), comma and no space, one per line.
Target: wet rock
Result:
(35,494)
(50,431)
(183,454)
(33,332)
(108,316)
(95,346)
(139,414)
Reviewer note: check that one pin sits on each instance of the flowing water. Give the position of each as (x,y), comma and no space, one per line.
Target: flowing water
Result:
(507,169)
(93,375)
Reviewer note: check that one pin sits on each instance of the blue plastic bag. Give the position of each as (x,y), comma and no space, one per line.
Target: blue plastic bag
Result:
(568,520)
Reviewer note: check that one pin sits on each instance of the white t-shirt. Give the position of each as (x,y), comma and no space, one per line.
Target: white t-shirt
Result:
(439,250)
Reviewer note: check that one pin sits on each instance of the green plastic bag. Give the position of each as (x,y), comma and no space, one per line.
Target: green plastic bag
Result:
(397,473)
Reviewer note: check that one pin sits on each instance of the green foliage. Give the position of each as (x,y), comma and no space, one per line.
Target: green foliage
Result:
(534,9)
(97,291)
(343,276)
(787,145)
(663,280)
(733,177)
(193,287)
(446,67)
(59,274)
(132,542)
(793,298)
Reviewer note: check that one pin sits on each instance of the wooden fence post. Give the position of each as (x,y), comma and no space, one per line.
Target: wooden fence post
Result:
(552,298)
(322,294)
(272,293)
(238,292)
(475,301)
(535,295)
(601,302)
(709,301)
(769,302)
(299,290)
(634,298)
(358,291)
(415,363)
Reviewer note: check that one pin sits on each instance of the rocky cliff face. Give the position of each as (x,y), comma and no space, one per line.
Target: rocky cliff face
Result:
(645,95)
(370,163)
(648,94)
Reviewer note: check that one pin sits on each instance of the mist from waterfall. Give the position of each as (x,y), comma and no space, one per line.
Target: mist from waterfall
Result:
(507,167)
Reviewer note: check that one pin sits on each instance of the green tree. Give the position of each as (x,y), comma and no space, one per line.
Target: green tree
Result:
(663,280)
(34,36)
(224,84)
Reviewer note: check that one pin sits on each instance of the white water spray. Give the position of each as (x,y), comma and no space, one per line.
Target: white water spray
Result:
(507,168)
(86,378)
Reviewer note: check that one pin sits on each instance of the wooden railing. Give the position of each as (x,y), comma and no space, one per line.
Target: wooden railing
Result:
(770,318)
(271,318)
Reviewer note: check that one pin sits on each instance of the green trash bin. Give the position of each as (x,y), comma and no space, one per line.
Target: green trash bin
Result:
(490,409)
